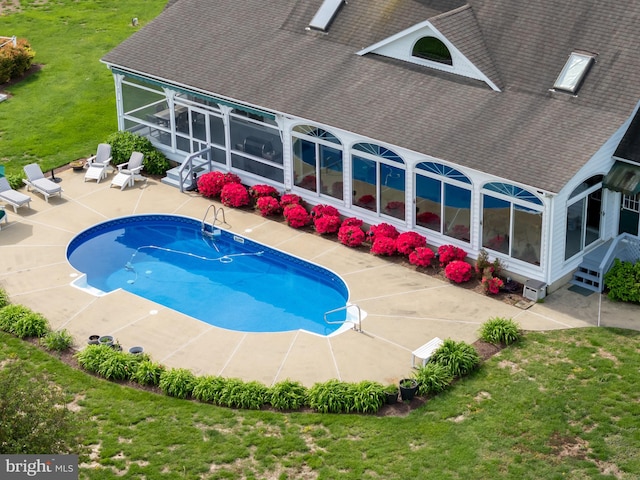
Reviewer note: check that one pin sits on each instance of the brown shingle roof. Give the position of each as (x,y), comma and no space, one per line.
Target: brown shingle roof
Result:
(258,52)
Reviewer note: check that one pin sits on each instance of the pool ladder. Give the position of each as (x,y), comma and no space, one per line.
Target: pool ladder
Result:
(357,325)
(216,221)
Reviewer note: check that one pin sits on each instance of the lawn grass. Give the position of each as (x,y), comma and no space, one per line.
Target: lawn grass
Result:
(61,112)
(562,404)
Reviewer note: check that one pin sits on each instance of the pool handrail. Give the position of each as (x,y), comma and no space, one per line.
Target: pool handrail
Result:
(357,326)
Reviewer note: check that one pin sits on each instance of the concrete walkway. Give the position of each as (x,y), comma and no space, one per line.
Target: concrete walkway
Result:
(405,309)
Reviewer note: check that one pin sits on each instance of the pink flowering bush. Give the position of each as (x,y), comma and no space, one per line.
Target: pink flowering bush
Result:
(210,184)
(458,271)
(421,257)
(268,206)
(383,246)
(296,216)
(450,253)
(258,191)
(492,285)
(290,199)
(234,195)
(382,230)
(351,235)
(326,224)
(407,242)
(321,210)
(352,222)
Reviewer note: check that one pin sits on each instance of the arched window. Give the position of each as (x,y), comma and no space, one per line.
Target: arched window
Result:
(378,180)
(443,200)
(432,48)
(583,216)
(512,221)
(317,161)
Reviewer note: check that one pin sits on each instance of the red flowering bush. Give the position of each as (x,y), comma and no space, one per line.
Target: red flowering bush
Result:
(407,242)
(351,235)
(383,246)
(458,271)
(290,199)
(352,222)
(234,195)
(268,206)
(210,184)
(321,210)
(450,253)
(296,216)
(421,257)
(492,285)
(258,191)
(428,218)
(326,224)
(383,230)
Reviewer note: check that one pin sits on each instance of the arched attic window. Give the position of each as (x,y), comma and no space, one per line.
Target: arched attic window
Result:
(432,48)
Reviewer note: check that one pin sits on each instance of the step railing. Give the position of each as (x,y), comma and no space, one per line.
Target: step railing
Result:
(222,221)
(357,325)
(186,169)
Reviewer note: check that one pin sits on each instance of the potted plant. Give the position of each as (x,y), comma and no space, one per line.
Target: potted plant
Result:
(408,388)
(391,394)
(106,340)
(93,339)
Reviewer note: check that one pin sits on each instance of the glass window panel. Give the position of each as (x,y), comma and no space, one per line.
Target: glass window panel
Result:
(457,212)
(594,204)
(428,203)
(365,179)
(575,215)
(304,164)
(255,139)
(255,167)
(573,72)
(216,127)
(392,191)
(199,126)
(527,230)
(142,104)
(496,220)
(331,171)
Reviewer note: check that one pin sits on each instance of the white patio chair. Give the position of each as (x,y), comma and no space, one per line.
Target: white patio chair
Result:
(36,181)
(12,197)
(99,163)
(129,172)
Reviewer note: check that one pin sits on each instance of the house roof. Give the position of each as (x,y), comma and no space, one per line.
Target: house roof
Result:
(258,52)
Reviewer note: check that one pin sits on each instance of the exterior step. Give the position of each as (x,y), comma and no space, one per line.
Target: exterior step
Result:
(172,175)
(589,279)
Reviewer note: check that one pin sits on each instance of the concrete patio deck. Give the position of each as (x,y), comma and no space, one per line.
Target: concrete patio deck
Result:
(405,309)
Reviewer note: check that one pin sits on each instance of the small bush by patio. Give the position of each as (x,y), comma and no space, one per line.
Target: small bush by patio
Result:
(499,330)
(321,210)
(351,235)
(385,246)
(382,230)
(208,389)
(458,271)
(433,378)
(4,298)
(15,60)
(287,395)
(148,373)
(118,365)
(124,143)
(492,285)
(290,199)
(460,357)
(239,394)
(210,184)
(268,206)
(367,397)
(296,216)
(58,341)
(623,281)
(450,253)
(260,191)
(91,357)
(331,396)
(421,257)
(234,195)
(177,382)
(407,242)
(326,224)
(23,322)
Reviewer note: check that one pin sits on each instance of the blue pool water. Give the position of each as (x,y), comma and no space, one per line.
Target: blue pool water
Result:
(223,279)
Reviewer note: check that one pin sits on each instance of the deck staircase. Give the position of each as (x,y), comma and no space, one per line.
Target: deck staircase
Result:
(184,175)
(590,273)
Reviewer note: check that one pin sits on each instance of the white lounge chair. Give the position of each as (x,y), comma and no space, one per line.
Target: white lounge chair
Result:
(129,172)
(36,181)
(3,216)
(12,197)
(99,163)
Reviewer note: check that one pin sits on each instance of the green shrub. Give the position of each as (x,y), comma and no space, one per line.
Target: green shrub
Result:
(10,314)
(209,388)
(58,341)
(15,181)
(177,382)
(91,357)
(287,395)
(367,397)
(332,396)
(433,378)
(15,60)
(31,325)
(623,281)
(500,330)
(236,393)
(123,144)
(118,366)
(4,298)
(460,357)
(148,372)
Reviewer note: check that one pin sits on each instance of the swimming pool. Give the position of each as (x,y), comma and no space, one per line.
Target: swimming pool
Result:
(218,277)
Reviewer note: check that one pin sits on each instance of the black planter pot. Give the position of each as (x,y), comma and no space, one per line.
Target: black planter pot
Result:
(391,397)
(106,340)
(136,350)
(93,339)
(408,392)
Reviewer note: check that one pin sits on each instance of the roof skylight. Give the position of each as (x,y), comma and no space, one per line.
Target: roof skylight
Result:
(574,71)
(325,15)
